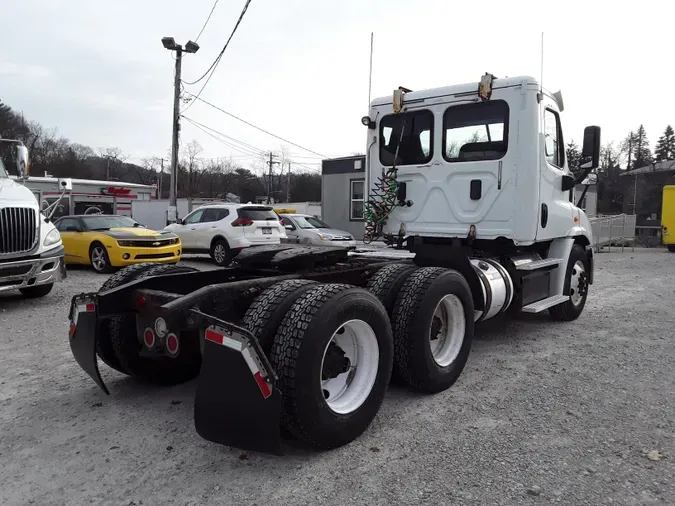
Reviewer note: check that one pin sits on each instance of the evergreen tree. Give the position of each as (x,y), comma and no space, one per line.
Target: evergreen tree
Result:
(642,154)
(573,154)
(665,147)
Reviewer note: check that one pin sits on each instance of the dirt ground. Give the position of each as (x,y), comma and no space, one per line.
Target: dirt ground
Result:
(544,413)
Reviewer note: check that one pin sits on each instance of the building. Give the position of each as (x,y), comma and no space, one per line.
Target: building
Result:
(343,193)
(643,190)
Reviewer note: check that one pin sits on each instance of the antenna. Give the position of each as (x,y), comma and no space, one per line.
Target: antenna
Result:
(541,81)
(370,71)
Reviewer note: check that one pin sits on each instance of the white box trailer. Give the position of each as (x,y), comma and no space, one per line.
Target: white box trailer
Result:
(89,195)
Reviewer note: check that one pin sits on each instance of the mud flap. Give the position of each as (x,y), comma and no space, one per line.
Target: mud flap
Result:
(237,402)
(82,336)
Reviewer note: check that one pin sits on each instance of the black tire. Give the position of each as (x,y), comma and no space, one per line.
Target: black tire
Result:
(386,283)
(264,316)
(104,347)
(159,370)
(412,324)
(671,248)
(34,292)
(568,311)
(221,253)
(104,268)
(298,351)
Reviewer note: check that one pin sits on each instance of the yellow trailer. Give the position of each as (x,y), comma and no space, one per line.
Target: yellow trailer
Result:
(668,217)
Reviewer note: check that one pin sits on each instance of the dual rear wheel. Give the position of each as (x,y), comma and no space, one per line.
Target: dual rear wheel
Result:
(334,347)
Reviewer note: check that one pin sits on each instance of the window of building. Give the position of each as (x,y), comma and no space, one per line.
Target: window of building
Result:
(473,132)
(553,141)
(357,198)
(416,140)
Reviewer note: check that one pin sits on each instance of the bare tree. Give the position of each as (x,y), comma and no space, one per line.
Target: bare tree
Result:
(115,159)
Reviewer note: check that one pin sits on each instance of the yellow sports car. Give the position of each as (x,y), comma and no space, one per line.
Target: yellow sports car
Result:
(109,241)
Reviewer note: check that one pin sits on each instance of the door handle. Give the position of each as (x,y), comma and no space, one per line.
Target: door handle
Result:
(193,228)
(214,226)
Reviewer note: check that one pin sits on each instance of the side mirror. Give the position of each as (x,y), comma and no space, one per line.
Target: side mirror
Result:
(568,182)
(179,221)
(21,157)
(590,151)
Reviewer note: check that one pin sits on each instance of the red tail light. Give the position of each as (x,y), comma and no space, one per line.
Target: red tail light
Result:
(242,222)
(282,222)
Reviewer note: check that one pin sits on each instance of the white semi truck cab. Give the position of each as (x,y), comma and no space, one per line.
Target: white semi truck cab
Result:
(31,251)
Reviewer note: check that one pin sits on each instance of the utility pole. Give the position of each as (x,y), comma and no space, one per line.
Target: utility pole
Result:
(271,163)
(288,184)
(191,47)
(107,169)
(173,207)
(161,176)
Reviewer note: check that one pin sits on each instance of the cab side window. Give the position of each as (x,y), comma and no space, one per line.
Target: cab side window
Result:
(553,141)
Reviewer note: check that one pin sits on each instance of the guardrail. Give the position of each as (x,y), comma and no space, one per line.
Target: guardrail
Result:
(616,230)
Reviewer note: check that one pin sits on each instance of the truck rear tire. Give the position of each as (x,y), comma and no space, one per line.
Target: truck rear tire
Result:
(576,286)
(333,354)
(386,283)
(433,328)
(671,248)
(158,370)
(34,292)
(104,347)
(264,316)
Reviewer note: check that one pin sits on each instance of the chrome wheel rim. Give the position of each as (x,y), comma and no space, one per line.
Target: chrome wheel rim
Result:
(577,281)
(98,258)
(446,334)
(346,389)
(219,253)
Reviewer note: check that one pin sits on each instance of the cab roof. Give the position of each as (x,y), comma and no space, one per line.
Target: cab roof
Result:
(458,89)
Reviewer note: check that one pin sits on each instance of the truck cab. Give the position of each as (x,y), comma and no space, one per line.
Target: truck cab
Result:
(482,160)
(31,251)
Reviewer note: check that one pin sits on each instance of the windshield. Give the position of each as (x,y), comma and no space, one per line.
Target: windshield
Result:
(107,222)
(309,222)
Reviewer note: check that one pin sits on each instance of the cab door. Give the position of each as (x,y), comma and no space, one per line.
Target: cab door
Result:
(556,213)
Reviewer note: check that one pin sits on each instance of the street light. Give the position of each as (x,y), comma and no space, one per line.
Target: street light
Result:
(191,47)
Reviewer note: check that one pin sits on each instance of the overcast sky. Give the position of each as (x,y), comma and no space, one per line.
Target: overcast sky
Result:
(299,68)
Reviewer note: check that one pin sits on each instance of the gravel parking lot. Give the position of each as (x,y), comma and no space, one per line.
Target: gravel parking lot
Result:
(577,413)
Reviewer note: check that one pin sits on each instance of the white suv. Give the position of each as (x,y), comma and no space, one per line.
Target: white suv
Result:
(223,230)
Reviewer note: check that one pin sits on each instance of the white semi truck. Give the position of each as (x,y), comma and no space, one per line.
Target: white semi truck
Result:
(31,251)
(471,179)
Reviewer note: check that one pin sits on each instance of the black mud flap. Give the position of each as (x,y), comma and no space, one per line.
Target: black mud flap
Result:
(237,402)
(82,335)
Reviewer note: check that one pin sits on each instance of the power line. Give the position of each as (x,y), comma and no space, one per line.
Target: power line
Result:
(228,144)
(254,126)
(215,63)
(207,20)
(245,145)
